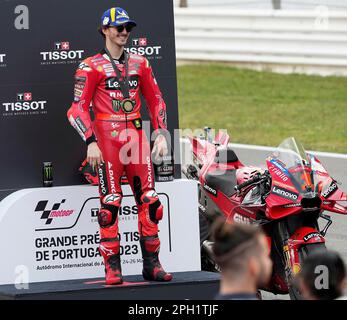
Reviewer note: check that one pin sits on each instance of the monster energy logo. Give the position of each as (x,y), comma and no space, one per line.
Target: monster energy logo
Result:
(47,171)
(116,105)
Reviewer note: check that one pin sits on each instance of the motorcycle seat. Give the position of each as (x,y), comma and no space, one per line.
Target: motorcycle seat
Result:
(225,155)
(224,181)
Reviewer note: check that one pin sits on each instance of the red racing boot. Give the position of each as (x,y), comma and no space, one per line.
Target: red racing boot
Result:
(152,269)
(110,251)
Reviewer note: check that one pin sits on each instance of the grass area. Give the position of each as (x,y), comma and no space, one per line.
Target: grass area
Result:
(263,108)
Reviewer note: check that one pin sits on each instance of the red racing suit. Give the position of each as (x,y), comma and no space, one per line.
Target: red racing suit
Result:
(122,141)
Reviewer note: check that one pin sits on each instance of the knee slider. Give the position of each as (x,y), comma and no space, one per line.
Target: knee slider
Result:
(151,199)
(107,215)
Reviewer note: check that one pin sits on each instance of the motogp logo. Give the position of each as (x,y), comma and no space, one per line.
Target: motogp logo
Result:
(50,214)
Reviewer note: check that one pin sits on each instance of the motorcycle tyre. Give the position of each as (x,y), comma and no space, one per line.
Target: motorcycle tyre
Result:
(304,251)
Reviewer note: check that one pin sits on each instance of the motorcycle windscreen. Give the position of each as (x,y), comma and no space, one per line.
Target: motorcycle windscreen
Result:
(294,163)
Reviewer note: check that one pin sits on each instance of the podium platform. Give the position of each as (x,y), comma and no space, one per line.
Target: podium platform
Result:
(59,233)
(195,285)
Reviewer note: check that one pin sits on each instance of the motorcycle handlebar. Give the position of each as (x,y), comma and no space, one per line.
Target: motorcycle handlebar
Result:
(247,183)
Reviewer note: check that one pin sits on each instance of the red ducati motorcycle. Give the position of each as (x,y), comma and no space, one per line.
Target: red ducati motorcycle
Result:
(286,200)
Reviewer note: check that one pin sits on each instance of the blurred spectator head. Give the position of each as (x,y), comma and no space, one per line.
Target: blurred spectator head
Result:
(323,276)
(242,253)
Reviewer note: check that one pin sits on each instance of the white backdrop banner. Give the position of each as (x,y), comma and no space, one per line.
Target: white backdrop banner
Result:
(49,234)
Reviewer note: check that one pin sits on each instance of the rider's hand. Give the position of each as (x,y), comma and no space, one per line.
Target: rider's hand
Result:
(160,148)
(94,155)
(261,170)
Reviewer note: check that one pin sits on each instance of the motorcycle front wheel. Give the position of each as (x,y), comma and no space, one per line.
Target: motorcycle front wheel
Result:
(304,252)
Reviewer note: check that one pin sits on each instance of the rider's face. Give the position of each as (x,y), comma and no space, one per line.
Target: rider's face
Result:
(117,37)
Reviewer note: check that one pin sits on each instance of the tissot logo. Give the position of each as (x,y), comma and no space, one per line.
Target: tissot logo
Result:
(139,42)
(61,54)
(62,45)
(50,214)
(27,96)
(142,47)
(2,58)
(123,211)
(24,105)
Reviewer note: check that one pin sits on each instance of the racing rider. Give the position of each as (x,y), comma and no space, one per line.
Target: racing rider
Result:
(112,81)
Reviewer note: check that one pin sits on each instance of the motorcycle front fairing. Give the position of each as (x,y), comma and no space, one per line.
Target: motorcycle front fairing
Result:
(328,188)
(300,183)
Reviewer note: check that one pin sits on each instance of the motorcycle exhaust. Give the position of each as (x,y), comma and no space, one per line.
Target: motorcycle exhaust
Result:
(207,247)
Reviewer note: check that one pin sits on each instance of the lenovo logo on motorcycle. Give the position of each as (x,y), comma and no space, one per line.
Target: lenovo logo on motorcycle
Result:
(312,235)
(285,193)
(210,190)
(329,191)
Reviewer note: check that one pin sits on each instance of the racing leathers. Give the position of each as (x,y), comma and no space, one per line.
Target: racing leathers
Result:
(117,129)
